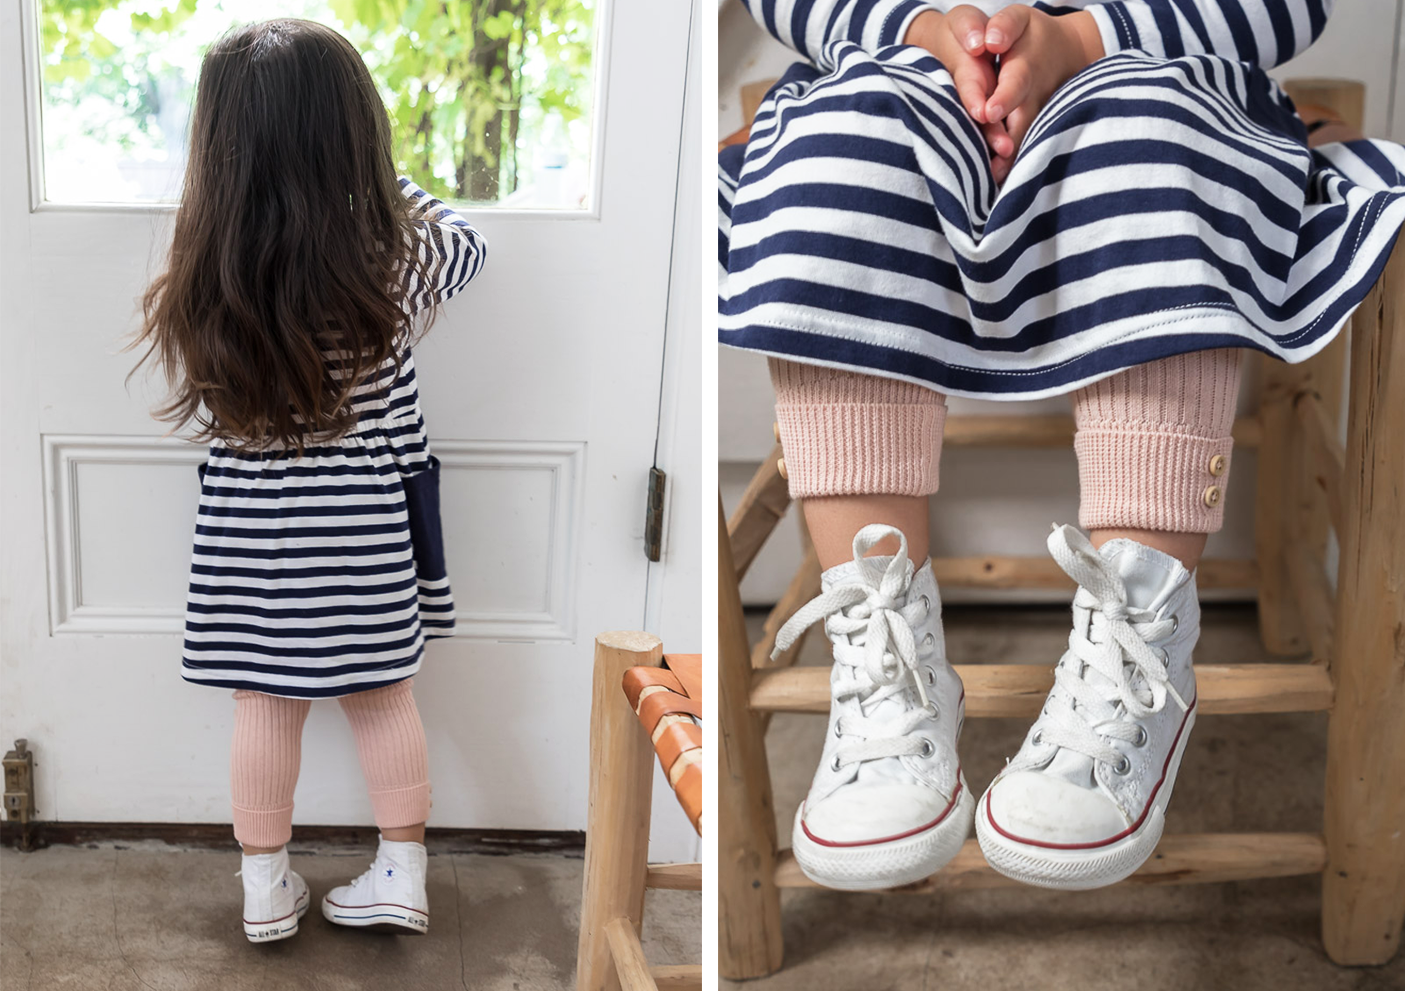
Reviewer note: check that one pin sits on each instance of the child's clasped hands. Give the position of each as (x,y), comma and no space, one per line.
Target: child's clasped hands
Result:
(1008,65)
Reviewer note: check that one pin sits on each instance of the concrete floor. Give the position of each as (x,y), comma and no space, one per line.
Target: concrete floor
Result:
(1240,773)
(147,917)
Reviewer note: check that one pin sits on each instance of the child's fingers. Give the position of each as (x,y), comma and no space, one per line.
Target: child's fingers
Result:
(1018,123)
(975,79)
(967,24)
(1011,88)
(1006,27)
(1000,169)
(998,138)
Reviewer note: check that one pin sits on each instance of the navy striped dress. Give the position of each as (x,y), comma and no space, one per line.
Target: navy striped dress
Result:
(323,575)
(1164,201)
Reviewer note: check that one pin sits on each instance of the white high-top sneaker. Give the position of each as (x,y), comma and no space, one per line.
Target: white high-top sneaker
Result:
(1084,801)
(275,898)
(888,804)
(390,897)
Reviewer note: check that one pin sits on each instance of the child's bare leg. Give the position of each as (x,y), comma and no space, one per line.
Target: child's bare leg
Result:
(833,521)
(858,450)
(1187,547)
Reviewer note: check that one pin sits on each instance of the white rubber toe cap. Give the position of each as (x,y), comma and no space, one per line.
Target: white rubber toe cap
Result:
(874,813)
(1030,807)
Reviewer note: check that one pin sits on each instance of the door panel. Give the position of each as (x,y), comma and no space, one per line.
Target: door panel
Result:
(540,386)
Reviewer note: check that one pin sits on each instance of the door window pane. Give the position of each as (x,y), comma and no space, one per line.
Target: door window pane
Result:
(490,100)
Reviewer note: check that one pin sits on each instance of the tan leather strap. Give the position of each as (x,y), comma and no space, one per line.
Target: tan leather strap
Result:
(674,741)
(640,678)
(688,669)
(659,704)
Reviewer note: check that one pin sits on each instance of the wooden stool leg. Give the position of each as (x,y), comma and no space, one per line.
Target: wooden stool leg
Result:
(1363,890)
(748,902)
(1291,509)
(617,826)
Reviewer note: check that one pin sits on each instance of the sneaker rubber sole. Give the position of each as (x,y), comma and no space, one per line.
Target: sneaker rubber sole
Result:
(385,918)
(1083,869)
(887,864)
(268,932)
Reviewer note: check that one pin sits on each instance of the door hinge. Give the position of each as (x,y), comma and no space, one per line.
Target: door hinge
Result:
(653,515)
(19,792)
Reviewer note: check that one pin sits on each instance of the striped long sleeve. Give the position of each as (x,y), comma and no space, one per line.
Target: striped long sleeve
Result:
(808,25)
(461,249)
(1265,33)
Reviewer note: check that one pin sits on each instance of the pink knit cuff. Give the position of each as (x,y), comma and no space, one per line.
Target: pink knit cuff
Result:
(850,434)
(263,827)
(1145,479)
(401,807)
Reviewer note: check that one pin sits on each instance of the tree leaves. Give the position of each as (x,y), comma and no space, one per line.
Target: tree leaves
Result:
(478,90)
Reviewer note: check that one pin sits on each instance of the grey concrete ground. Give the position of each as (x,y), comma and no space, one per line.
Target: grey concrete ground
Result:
(1241,773)
(147,917)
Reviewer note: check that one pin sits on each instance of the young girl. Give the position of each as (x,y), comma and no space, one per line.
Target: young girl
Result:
(298,267)
(1105,199)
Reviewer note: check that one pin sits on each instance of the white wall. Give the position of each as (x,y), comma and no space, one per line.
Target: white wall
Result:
(1002,501)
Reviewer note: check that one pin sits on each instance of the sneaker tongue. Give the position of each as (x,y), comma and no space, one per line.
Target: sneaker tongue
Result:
(869,572)
(1151,576)
(887,770)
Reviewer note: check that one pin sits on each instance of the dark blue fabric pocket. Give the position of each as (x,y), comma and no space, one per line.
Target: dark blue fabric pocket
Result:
(426,532)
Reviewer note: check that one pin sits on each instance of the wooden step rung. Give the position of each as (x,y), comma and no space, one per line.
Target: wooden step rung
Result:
(1019,689)
(677,977)
(1004,571)
(1190,858)
(676,877)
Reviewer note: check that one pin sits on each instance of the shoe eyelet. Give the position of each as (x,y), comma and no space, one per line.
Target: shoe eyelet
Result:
(931,675)
(929,640)
(1038,737)
(928,747)
(926,603)
(931,709)
(834,765)
(837,731)
(1175,624)
(1140,741)
(1164,655)
(1123,766)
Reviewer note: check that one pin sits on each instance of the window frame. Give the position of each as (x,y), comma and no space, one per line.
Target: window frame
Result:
(32,61)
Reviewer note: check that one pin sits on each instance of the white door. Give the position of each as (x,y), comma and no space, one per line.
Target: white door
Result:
(541,390)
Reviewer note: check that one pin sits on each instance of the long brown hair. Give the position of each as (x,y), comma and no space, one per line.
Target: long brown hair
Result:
(285,286)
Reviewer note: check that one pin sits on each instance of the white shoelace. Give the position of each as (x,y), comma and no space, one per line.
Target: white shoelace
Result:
(873,640)
(1083,714)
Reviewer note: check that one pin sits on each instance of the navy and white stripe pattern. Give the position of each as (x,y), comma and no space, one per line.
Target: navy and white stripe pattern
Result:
(323,575)
(1163,202)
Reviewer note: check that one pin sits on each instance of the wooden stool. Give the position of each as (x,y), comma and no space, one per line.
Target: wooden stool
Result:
(1356,637)
(617,870)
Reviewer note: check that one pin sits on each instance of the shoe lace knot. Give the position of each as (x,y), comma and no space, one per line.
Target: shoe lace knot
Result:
(1110,671)
(870,620)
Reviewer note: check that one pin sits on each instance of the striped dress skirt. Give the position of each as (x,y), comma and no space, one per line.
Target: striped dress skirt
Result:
(321,575)
(1157,206)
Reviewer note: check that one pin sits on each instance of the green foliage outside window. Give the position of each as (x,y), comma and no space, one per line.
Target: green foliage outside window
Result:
(490,100)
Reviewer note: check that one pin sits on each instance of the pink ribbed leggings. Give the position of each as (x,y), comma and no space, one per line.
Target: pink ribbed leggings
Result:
(1153,442)
(267,753)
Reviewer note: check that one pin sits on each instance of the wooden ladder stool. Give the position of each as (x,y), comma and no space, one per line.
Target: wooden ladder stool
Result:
(665,694)
(1356,636)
